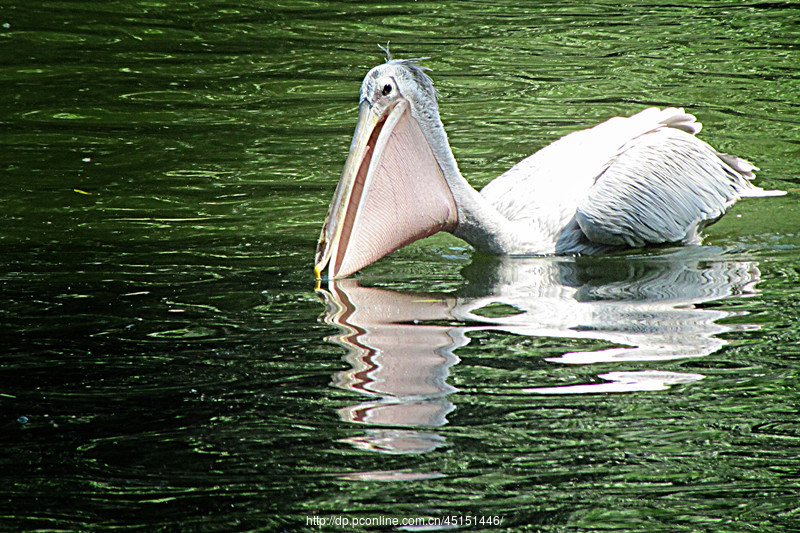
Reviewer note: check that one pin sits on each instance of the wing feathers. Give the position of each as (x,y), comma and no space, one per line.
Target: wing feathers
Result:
(629,181)
(678,119)
(663,187)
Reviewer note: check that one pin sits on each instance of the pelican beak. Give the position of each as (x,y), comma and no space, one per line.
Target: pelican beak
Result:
(392,192)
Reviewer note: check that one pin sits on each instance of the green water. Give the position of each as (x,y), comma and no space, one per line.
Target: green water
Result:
(168,365)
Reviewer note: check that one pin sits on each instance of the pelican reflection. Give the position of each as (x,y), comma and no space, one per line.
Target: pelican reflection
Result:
(398,358)
(400,345)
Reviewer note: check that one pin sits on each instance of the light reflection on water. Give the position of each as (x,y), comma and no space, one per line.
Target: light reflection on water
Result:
(400,345)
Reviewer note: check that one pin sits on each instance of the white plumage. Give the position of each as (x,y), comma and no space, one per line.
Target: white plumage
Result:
(627,182)
(644,179)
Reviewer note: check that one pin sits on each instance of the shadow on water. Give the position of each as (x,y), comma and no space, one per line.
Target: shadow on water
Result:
(400,345)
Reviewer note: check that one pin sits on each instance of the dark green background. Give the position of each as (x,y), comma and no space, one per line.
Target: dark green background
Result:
(165,169)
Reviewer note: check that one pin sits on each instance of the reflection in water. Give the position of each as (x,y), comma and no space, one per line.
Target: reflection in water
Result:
(644,380)
(400,345)
(396,360)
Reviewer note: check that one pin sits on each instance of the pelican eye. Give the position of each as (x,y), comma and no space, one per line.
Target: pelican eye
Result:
(387,89)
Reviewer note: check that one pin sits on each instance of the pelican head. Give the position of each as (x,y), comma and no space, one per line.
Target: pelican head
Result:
(393,189)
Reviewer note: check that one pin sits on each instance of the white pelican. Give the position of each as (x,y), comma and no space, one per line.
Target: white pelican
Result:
(627,182)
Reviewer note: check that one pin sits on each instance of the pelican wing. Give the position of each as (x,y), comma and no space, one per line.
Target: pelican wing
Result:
(629,181)
(663,186)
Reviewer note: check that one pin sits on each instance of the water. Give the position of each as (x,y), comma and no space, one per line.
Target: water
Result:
(168,364)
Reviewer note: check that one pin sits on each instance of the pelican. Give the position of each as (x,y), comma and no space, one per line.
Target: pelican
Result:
(628,182)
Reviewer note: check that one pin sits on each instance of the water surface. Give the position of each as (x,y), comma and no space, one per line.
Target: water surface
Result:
(168,362)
